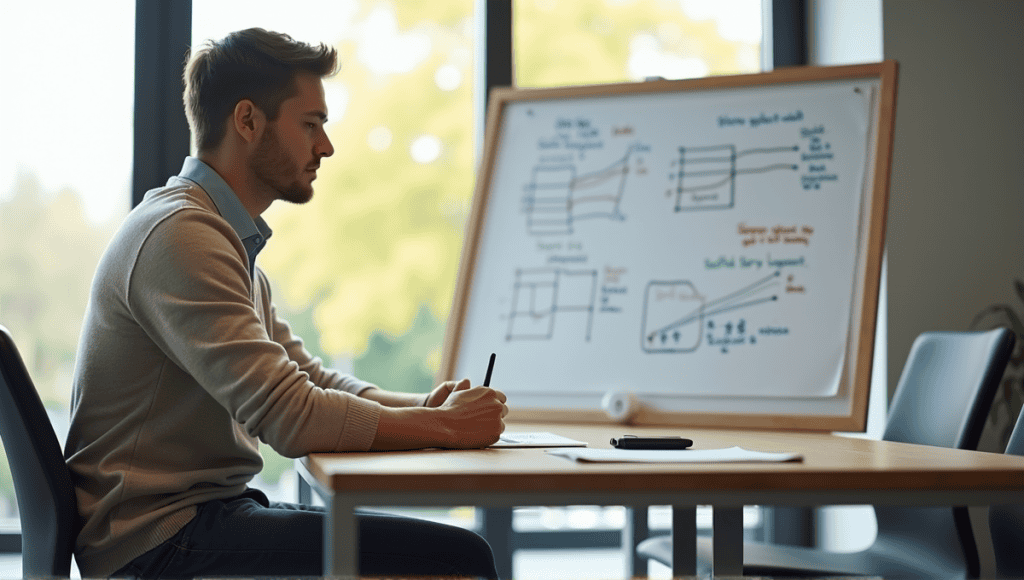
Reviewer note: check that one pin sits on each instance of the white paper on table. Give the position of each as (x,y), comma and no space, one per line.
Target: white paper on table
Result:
(727,455)
(535,439)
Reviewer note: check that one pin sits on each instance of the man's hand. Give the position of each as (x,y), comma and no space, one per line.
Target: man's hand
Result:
(439,395)
(473,416)
(455,416)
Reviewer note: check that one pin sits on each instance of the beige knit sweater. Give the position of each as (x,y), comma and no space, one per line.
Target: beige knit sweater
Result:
(183,366)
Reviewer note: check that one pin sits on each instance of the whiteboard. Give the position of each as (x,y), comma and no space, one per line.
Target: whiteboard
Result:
(709,247)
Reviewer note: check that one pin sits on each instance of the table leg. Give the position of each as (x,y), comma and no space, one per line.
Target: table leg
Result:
(341,539)
(727,541)
(635,531)
(497,530)
(305,491)
(684,541)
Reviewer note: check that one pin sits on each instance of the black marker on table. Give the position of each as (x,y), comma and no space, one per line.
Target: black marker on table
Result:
(490,367)
(634,442)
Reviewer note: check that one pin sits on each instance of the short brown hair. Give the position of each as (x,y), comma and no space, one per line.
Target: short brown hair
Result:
(254,64)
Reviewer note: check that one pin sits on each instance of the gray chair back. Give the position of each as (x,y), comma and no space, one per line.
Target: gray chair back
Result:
(943,398)
(42,481)
(968,366)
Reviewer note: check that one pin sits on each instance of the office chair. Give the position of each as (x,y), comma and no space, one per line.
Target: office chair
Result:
(42,482)
(942,399)
(1006,522)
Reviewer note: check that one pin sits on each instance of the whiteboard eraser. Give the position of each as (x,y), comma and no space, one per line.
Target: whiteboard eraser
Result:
(620,407)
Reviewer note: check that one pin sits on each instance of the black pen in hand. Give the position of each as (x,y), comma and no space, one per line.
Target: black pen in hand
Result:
(490,367)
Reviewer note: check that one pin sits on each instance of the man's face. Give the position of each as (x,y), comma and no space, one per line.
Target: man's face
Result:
(289,151)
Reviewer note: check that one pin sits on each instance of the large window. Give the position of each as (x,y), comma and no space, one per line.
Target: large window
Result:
(65,174)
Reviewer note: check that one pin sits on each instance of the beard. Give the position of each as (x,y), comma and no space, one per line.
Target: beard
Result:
(277,171)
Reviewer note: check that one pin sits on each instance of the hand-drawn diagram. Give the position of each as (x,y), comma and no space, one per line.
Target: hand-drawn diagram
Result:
(705,177)
(542,295)
(674,311)
(558,195)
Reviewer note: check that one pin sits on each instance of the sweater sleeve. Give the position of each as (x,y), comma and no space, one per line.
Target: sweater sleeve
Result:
(191,291)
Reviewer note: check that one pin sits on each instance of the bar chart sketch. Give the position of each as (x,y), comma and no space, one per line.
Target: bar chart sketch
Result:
(542,296)
(705,177)
(674,311)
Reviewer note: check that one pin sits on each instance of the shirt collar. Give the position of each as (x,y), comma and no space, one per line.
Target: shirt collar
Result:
(253,233)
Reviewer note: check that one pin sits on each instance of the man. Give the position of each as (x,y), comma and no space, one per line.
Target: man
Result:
(183,364)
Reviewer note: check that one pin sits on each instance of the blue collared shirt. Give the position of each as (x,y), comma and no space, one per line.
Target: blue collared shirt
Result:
(253,233)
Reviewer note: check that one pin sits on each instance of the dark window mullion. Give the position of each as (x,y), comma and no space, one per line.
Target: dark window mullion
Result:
(163,34)
(789,33)
(493,55)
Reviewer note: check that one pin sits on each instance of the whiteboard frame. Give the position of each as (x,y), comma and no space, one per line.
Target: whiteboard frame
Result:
(854,387)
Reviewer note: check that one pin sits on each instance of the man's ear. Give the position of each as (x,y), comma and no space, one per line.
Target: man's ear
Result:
(248,120)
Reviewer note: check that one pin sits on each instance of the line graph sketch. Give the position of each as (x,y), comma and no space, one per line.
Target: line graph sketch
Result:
(674,311)
(705,177)
(558,195)
(540,296)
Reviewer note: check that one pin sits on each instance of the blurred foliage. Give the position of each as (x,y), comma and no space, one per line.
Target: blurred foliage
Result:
(404,363)
(590,41)
(48,252)
(301,323)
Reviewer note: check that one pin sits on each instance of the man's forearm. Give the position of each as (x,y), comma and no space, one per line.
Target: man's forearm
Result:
(393,399)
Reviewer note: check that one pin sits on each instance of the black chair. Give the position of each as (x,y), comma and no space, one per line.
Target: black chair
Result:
(1006,522)
(42,482)
(942,399)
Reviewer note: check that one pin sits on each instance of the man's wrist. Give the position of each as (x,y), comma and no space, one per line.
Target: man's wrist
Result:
(409,428)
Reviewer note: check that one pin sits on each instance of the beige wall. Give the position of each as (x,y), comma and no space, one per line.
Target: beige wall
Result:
(956,206)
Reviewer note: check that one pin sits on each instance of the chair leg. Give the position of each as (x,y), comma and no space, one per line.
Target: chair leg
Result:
(727,541)
(684,541)
(496,528)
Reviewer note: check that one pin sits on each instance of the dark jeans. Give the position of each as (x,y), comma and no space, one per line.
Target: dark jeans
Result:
(251,536)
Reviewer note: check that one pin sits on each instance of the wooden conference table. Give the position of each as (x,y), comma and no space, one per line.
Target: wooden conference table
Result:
(835,470)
